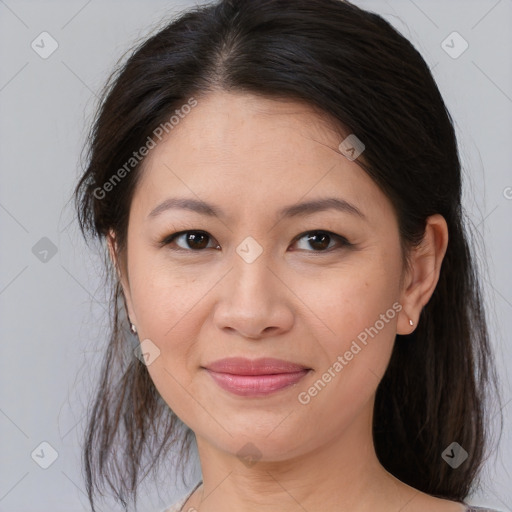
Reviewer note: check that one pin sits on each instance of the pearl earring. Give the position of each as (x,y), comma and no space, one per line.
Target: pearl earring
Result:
(133,328)
(411,322)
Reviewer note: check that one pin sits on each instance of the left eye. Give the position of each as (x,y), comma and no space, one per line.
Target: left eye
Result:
(196,240)
(321,240)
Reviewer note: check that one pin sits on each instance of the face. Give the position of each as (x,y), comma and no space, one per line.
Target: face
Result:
(319,288)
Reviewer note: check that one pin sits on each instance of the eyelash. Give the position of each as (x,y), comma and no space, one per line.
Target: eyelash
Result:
(342,241)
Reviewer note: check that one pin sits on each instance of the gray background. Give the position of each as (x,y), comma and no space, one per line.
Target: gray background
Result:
(52,305)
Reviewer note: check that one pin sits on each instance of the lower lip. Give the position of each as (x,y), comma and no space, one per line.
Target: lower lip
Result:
(256,385)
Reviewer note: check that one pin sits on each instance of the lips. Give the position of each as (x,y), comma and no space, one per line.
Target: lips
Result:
(257,377)
(262,366)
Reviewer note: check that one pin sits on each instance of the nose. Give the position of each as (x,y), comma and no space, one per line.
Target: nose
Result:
(254,302)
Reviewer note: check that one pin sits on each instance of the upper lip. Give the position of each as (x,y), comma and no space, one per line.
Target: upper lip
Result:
(261,366)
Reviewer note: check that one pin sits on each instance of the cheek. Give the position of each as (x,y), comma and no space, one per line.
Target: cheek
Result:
(164,295)
(356,310)
(167,310)
(349,300)
(355,360)
(166,303)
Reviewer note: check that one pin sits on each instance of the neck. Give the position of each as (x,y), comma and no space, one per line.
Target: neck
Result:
(343,473)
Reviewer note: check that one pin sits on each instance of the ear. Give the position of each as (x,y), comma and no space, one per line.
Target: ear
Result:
(123,278)
(423,274)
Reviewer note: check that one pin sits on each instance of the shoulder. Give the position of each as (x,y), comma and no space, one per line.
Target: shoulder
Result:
(179,504)
(173,508)
(474,508)
(176,507)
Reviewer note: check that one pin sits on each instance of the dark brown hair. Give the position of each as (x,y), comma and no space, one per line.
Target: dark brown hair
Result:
(355,67)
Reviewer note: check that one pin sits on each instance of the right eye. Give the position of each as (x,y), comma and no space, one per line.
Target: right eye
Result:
(193,241)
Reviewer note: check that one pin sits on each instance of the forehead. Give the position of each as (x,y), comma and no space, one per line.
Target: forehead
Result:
(229,125)
(253,152)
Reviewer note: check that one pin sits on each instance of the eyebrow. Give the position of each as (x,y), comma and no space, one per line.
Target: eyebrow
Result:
(295,210)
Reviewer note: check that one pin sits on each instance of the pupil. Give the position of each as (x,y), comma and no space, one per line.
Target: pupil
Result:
(193,240)
(324,241)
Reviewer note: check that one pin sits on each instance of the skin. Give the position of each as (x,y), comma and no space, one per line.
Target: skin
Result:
(252,156)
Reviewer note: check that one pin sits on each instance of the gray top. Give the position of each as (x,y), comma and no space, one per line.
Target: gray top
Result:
(179,504)
(473,508)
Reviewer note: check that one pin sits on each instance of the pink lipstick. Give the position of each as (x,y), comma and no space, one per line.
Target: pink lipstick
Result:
(256,377)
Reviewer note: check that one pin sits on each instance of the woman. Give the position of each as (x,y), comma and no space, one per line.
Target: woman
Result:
(279,189)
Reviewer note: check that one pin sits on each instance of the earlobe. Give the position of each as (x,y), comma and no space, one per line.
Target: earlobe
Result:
(424,270)
(405,324)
